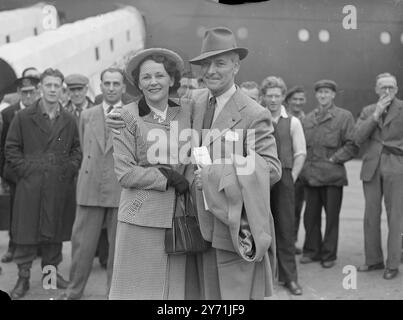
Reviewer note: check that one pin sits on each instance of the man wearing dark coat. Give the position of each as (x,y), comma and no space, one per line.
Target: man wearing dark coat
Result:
(329,134)
(28,93)
(43,152)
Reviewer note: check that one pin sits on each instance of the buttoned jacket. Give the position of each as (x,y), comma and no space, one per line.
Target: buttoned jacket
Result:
(145,144)
(97,184)
(328,137)
(381,141)
(242,124)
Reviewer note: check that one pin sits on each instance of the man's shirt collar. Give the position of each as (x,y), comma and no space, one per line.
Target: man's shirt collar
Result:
(105,105)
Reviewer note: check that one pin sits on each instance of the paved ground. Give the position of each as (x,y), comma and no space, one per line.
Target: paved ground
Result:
(318,283)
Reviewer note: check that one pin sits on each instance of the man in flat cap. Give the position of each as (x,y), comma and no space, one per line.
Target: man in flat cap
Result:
(77,88)
(27,89)
(380,132)
(226,113)
(329,136)
(295,101)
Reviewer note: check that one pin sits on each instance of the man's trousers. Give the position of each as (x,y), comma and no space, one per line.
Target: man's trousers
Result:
(84,240)
(329,197)
(282,208)
(389,186)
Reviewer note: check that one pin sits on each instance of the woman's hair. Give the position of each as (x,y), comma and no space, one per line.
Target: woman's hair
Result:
(169,65)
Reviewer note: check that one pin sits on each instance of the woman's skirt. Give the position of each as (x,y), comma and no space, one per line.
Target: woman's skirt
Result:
(143,271)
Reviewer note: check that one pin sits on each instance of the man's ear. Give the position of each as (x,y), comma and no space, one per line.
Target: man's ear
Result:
(237,65)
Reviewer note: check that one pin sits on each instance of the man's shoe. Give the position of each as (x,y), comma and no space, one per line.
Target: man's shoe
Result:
(65,296)
(60,282)
(294,288)
(306,259)
(298,251)
(390,273)
(328,264)
(8,257)
(372,267)
(20,288)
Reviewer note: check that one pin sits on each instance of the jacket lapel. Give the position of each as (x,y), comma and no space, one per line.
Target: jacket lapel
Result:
(97,125)
(394,111)
(227,119)
(58,126)
(38,119)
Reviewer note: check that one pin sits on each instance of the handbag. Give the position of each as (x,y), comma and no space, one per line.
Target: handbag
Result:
(185,236)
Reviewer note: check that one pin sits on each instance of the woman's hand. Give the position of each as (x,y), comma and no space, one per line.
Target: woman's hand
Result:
(114,121)
(176,180)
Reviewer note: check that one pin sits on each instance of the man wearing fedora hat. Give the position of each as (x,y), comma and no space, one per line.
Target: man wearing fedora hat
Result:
(223,107)
(329,136)
(27,89)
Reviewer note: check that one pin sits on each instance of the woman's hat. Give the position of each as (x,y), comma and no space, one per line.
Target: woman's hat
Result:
(142,54)
(217,41)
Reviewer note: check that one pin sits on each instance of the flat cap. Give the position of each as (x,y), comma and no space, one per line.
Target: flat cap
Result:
(293,90)
(326,84)
(27,83)
(76,81)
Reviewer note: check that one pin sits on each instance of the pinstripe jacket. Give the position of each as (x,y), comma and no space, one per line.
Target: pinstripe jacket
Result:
(145,144)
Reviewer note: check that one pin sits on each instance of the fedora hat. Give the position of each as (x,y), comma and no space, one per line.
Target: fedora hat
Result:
(142,54)
(217,41)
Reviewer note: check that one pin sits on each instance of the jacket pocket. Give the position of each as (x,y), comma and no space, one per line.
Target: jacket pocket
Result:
(135,206)
(331,138)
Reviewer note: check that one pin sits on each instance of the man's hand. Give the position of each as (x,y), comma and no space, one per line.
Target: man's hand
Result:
(198,179)
(114,121)
(381,106)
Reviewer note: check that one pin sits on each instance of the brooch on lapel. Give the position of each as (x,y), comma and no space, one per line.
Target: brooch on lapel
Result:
(158,118)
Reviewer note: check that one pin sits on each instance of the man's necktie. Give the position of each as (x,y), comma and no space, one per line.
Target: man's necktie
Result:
(109,109)
(107,130)
(209,115)
(78,111)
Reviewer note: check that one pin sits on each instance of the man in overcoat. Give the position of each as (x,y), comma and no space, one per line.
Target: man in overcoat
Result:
(27,88)
(235,117)
(379,131)
(98,190)
(43,149)
(329,135)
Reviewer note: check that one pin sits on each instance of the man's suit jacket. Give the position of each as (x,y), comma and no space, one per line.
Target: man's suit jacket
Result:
(97,183)
(241,203)
(382,141)
(7,116)
(242,117)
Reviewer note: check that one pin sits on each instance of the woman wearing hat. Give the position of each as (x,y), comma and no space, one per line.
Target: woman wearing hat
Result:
(147,165)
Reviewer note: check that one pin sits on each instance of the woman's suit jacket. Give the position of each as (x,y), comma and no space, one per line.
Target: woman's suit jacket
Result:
(144,145)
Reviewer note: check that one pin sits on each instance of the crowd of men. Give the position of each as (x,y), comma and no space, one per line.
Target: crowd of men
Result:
(56,157)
